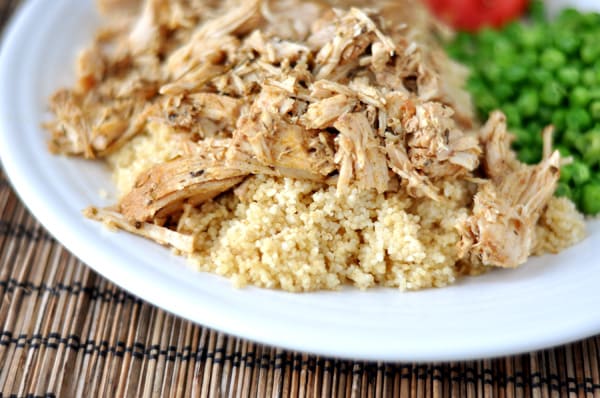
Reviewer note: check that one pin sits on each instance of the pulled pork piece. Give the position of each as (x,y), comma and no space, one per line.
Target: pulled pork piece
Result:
(77,132)
(499,159)
(70,133)
(163,189)
(357,89)
(436,146)
(359,156)
(145,34)
(501,230)
(448,85)
(422,66)
(220,108)
(291,19)
(324,113)
(120,75)
(201,115)
(202,57)
(162,235)
(417,184)
(354,32)
(108,107)
(424,144)
(266,144)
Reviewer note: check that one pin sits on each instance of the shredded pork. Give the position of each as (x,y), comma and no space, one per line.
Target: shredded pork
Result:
(342,96)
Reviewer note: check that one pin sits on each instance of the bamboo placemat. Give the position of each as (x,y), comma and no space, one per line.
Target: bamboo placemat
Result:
(67,332)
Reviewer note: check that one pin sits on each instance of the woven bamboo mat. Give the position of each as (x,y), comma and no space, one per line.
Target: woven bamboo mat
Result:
(67,332)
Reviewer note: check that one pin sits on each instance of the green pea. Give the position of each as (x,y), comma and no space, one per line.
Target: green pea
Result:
(528,59)
(590,198)
(464,40)
(529,155)
(568,76)
(563,190)
(515,73)
(504,53)
(552,59)
(552,93)
(595,93)
(544,115)
(567,41)
(533,37)
(540,77)
(595,110)
(512,115)
(578,119)
(455,52)
(596,69)
(581,173)
(566,173)
(589,52)
(535,130)
(558,119)
(579,97)
(570,137)
(492,72)
(564,151)
(528,103)
(503,91)
(514,31)
(588,77)
(475,82)
(476,85)
(488,36)
(576,195)
(522,137)
(591,147)
(486,102)
(580,143)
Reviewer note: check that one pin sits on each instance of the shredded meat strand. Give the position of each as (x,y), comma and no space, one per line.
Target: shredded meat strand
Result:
(501,229)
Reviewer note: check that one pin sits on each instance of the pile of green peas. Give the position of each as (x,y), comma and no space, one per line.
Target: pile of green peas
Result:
(541,72)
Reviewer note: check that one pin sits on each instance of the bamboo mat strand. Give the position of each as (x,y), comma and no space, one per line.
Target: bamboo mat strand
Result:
(67,332)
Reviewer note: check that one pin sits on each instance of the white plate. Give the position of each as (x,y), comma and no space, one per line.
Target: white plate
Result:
(549,301)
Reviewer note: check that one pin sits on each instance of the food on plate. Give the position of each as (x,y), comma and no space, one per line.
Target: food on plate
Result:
(301,146)
(543,72)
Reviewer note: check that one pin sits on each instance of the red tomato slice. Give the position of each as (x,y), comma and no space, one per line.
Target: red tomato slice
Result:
(474,14)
